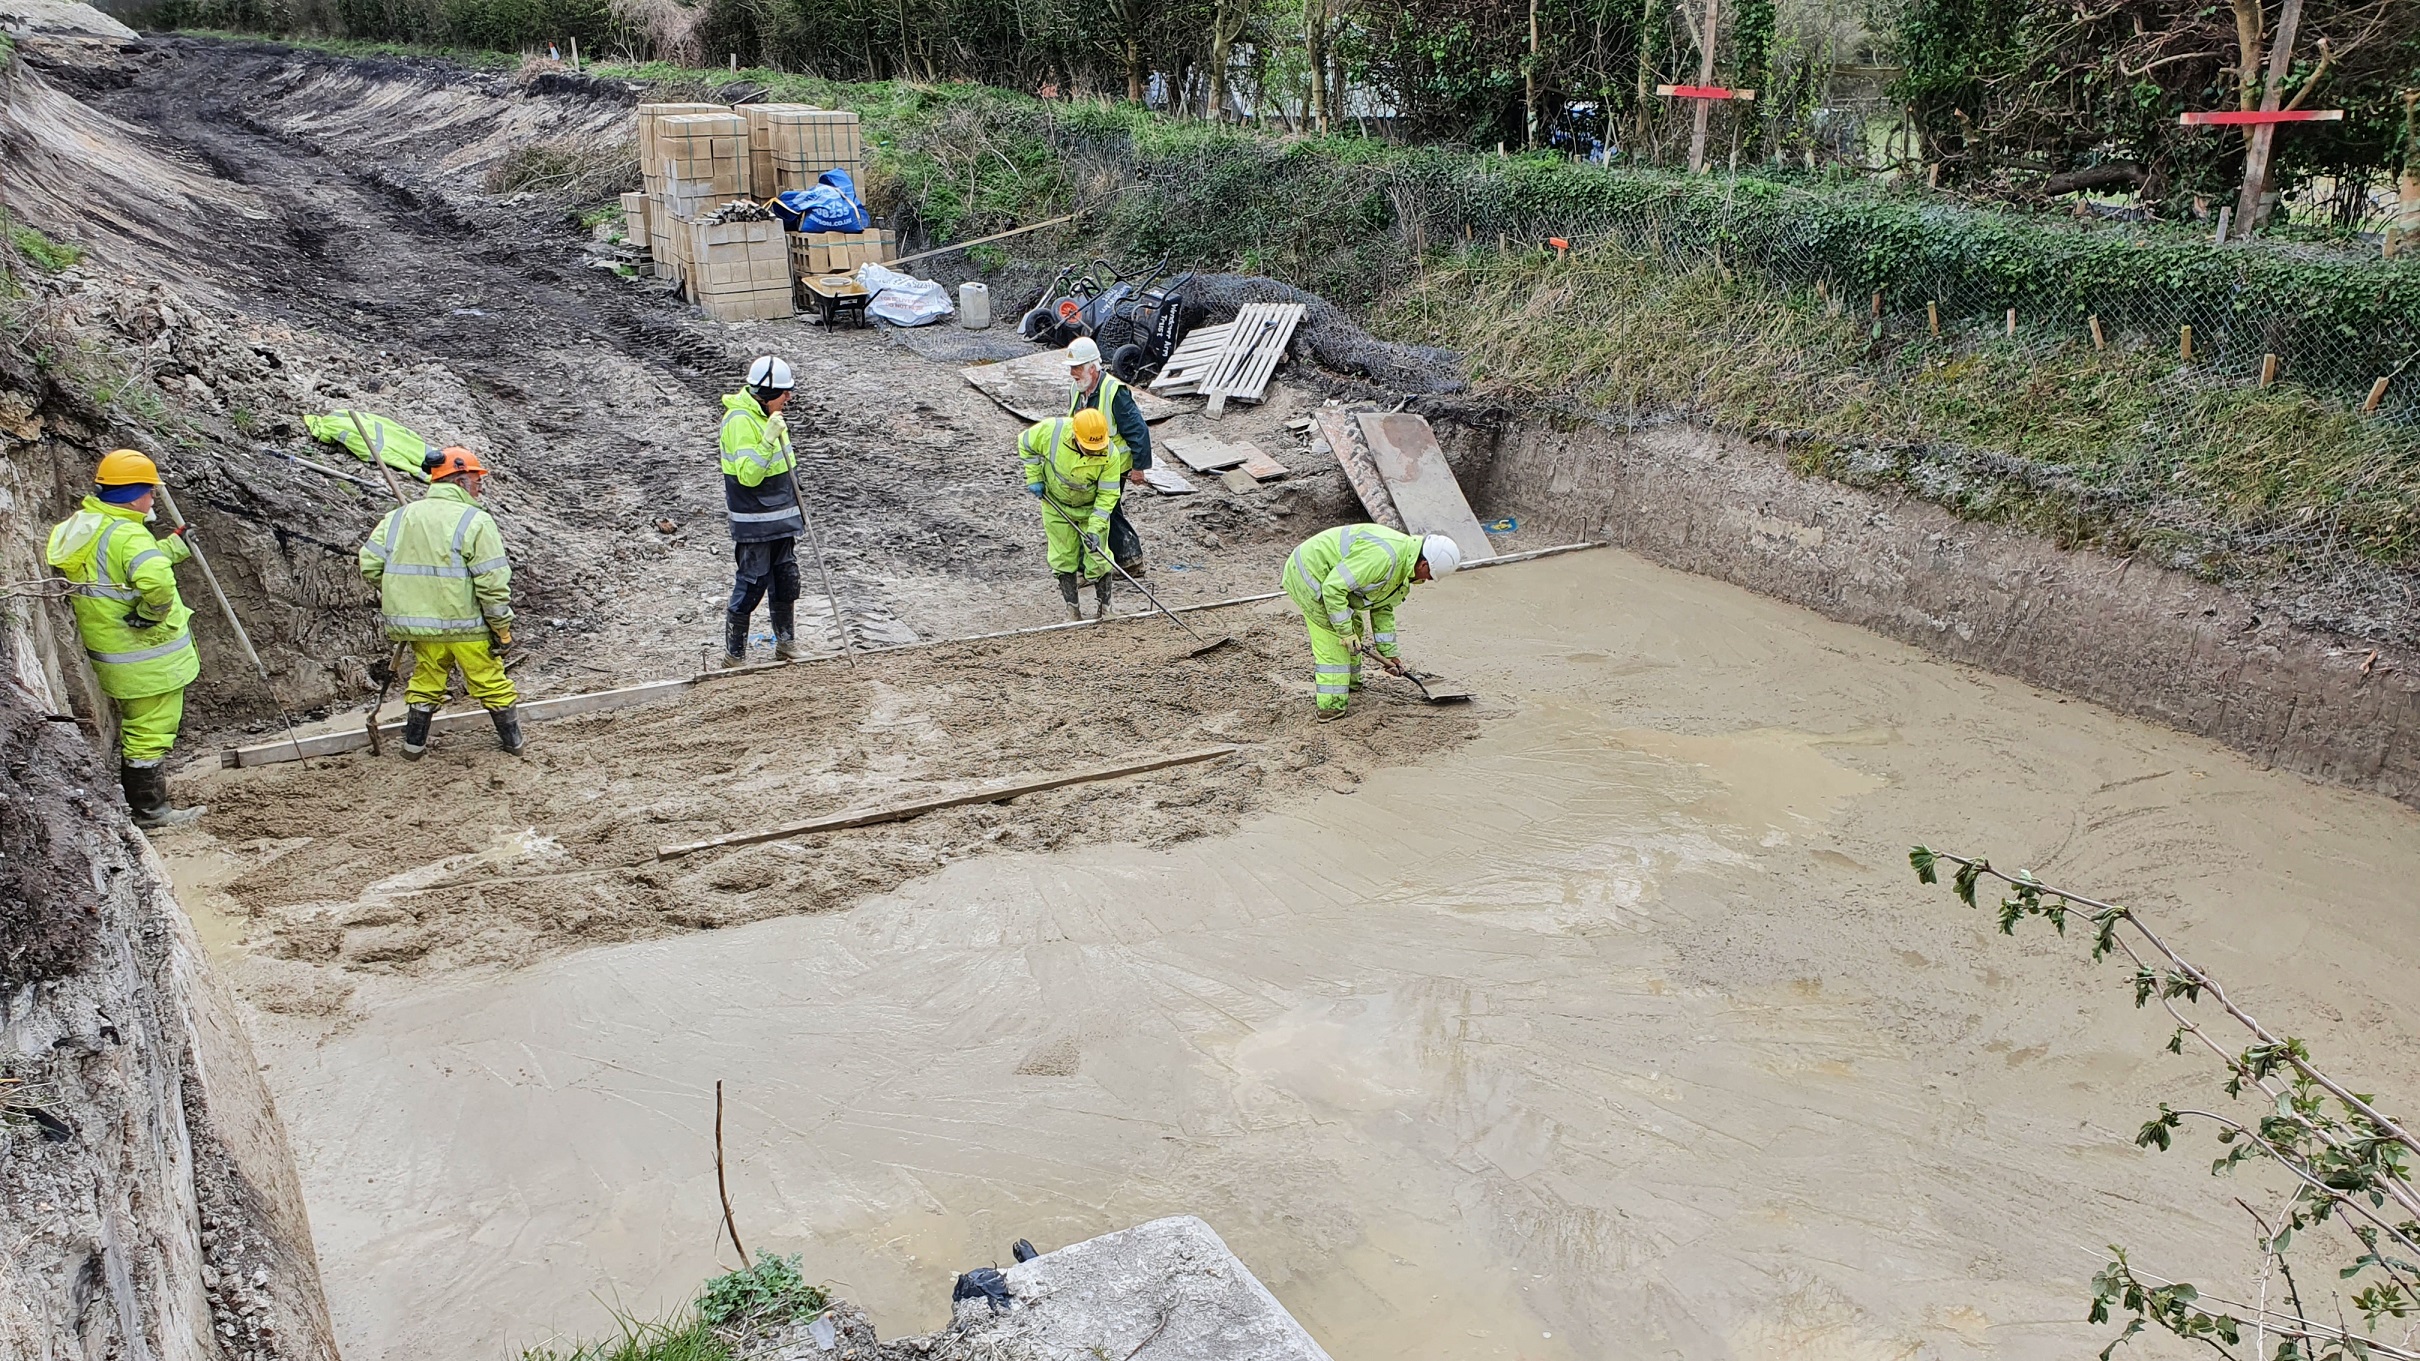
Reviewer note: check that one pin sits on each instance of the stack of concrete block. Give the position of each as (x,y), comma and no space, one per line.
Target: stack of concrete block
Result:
(634,217)
(761,176)
(740,271)
(663,242)
(801,142)
(840,252)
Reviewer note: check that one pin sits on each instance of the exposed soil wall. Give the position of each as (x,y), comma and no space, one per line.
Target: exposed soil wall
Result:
(2146,641)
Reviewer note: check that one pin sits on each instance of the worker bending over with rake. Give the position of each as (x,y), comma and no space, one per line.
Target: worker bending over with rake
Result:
(1347,582)
(1072,468)
(1091,385)
(445,587)
(133,624)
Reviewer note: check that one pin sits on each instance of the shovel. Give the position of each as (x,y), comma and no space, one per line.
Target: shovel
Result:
(1208,645)
(1433,689)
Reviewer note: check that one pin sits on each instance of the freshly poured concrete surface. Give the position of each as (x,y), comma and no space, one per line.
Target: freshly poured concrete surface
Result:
(1623,1031)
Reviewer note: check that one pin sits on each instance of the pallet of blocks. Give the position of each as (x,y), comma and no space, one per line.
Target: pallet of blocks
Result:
(801,143)
(740,271)
(761,178)
(840,252)
(659,238)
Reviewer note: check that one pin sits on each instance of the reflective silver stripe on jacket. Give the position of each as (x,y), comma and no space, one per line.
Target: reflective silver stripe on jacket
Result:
(414,569)
(1382,637)
(181,642)
(408,621)
(100,587)
(758,516)
(137,561)
(480,569)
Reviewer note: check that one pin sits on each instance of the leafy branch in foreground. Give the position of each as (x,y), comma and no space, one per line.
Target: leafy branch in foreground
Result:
(2349,1163)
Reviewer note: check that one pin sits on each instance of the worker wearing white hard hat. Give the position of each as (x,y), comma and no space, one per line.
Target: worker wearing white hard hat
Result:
(761,499)
(1347,582)
(1090,384)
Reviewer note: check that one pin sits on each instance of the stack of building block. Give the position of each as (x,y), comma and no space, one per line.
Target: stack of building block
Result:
(634,217)
(801,143)
(740,271)
(761,176)
(840,252)
(662,241)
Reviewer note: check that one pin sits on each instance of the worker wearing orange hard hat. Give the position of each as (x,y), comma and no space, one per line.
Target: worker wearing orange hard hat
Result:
(1078,474)
(445,587)
(133,623)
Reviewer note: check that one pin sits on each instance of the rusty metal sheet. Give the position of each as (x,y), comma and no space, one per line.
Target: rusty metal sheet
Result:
(1425,493)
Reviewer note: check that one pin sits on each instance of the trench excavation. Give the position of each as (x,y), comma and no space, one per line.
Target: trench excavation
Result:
(1595,1018)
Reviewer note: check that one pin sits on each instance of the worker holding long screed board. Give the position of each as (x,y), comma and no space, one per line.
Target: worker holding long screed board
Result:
(1347,582)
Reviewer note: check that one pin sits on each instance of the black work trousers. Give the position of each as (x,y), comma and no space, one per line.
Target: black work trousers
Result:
(766,567)
(1125,546)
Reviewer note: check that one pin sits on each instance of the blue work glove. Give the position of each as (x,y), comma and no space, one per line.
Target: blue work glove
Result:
(1033,489)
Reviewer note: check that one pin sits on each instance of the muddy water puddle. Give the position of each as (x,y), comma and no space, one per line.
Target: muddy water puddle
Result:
(1619,1031)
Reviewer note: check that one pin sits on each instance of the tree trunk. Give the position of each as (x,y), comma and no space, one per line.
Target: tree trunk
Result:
(1705,76)
(2263,136)
(1315,50)
(1529,79)
(1134,70)
(1648,9)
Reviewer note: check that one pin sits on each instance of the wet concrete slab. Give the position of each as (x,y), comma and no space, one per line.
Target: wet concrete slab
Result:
(1621,1031)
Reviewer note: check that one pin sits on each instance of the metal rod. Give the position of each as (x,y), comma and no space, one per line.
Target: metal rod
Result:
(980,240)
(377,457)
(1082,548)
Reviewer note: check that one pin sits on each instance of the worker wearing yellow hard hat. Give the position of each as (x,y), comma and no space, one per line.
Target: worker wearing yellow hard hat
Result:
(1072,468)
(133,623)
(445,587)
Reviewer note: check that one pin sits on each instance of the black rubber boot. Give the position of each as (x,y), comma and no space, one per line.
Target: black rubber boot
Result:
(1100,597)
(785,628)
(735,639)
(508,728)
(1068,588)
(147,798)
(416,730)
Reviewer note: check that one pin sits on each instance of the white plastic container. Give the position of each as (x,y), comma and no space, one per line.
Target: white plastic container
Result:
(974,306)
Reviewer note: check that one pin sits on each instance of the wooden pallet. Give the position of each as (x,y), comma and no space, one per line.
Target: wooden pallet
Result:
(1191,360)
(1254,348)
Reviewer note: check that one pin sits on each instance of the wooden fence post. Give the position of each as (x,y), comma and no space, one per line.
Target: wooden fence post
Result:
(2377,395)
(2098,342)
(2268,369)
(2012,321)
(1932,316)
(1877,304)
(2184,343)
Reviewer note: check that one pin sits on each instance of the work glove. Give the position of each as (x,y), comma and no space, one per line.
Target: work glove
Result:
(1033,489)
(504,634)
(1093,542)
(181,532)
(1394,666)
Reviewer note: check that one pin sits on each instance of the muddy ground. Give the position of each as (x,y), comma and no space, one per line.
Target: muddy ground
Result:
(330,241)
(529,858)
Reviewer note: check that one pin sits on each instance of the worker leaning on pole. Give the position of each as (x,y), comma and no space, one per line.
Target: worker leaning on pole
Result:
(133,623)
(1347,582)
(1071,467)
(445,587)
(1091,385)
(760,495)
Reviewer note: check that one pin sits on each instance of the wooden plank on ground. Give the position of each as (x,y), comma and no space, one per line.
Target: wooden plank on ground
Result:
(532,711)
(900,812)
(1034,387)
(1207,453)
(1263,467)
(1405,452)
(1343,435)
